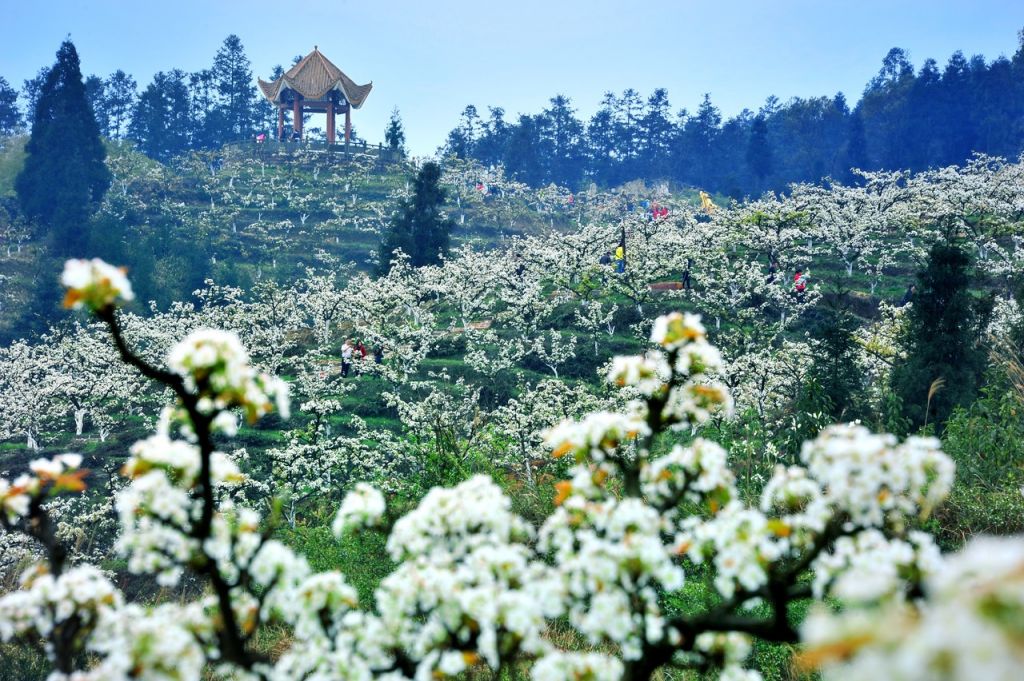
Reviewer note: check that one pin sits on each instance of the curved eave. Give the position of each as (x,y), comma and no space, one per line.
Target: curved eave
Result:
(353,94)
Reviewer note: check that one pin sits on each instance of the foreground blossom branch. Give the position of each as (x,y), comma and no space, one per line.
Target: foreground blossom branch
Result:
(209,374)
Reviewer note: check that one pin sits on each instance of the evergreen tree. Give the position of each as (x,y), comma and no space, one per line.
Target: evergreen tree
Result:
(394,136)
(94,94)
(118,100)
(160,123)
(699,135)
(856,153)
(560,135)
(759,151)
(32,88)
(205,122)
(232,76)
(493,142)
(601,141)
(461,141)
(522,156)
(64,175)
(656,131)
(628,113)
(419,229)
(943,340)
(903,120)
(10,117)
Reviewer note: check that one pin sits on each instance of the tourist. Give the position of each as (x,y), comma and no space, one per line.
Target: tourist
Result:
(346,357)
(606,258)
(686,274)
(800,283)
(908,295)
(620,259)
(378,355)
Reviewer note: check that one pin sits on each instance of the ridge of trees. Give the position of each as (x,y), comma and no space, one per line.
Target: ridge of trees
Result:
(175,113)
(936,117)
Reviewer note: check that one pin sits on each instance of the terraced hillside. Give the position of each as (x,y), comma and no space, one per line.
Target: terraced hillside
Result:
(248,214)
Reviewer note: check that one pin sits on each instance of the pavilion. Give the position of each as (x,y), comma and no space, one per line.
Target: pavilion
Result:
(315,85)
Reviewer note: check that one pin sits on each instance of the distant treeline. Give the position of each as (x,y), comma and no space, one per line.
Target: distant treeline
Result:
(936,117)
(177,112)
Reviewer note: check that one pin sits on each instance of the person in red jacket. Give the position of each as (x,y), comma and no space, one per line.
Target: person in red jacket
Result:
(800,283)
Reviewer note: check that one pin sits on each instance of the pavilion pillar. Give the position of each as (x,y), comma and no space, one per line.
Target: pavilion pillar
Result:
(348,122)
(297,115)
(330,122)
(280,122)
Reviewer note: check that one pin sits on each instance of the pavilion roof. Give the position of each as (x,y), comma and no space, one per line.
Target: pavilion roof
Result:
(313,78)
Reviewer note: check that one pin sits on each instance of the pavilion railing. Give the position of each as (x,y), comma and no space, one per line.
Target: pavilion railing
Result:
(268,150)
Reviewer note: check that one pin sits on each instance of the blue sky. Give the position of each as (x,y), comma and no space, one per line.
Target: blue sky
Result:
(432,57)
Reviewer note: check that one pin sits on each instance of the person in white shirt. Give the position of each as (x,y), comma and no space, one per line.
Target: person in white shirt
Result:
(346,357)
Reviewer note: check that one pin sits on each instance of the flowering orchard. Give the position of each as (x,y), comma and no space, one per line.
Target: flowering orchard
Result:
(476,587)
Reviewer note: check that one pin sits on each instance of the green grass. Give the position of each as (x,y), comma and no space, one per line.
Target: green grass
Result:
(12,158)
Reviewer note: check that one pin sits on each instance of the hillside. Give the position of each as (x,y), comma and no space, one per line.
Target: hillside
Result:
(525,344)
(248,214)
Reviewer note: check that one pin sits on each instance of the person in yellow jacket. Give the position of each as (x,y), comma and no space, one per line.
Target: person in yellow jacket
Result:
(620,259)
(706,204)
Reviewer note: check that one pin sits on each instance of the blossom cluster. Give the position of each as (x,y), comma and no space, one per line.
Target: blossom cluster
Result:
(75,600)
(874,480)
(363,507)
(58,474)
(611,563)
(968,627)
(94,284)
(855,485)
(216,367)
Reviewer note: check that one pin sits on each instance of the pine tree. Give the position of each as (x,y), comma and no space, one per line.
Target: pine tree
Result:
(462,140)
(394,136)
(232,75)
(64,176)
(943,340)
(656,131)
(419,229)
(119,99)
(522,155)
(32,88)
(161,120)
(493,142)
(560,135)
(95,94)
(759,151)
(10,117)
(856,153)
(700,134)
